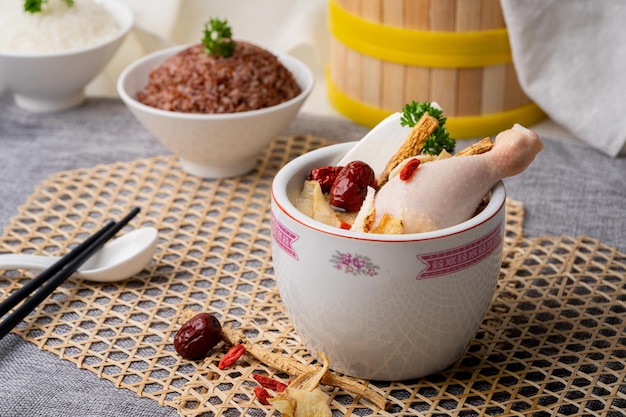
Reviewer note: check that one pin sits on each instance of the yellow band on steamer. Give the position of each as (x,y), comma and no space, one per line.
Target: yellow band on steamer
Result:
(465,127)
(416,47)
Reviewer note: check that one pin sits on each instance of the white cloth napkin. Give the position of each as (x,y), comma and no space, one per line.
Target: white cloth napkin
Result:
(570,58)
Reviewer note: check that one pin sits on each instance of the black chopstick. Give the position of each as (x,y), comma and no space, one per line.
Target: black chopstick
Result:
(17,296)
(54,276)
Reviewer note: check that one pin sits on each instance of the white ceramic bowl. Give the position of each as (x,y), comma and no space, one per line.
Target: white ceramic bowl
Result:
(383,307)
(52,81)
(212,145)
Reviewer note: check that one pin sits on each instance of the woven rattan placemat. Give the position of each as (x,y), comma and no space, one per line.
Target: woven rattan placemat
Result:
(552,343)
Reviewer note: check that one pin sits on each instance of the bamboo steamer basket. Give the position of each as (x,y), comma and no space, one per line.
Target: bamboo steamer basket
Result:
(387,53)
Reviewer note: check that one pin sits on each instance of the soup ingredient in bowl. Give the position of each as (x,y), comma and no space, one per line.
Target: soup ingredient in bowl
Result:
(197,81)
(428,137)
(56,28)
(418,192)
(446,192)
(349,188)
(325,176)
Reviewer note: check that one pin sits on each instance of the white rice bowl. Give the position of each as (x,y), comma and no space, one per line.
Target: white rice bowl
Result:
(48,58)
(57,27)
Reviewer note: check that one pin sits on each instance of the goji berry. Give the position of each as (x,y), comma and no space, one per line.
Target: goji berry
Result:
(262,395)
(345,226)
(232,356)
(270,383)
(409,168)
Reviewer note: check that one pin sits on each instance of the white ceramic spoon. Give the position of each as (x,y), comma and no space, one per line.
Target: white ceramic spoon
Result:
(121,258)
(378,146)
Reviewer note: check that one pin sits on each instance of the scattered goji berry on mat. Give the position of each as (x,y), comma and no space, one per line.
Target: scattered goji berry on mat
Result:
(262,395)
(232,356)
(270,383)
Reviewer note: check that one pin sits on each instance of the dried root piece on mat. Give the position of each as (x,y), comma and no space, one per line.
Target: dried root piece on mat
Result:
(293,367)
(411,146)
(482,146)
(303,397)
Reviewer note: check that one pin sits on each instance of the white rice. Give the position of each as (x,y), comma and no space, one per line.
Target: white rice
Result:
(57,28)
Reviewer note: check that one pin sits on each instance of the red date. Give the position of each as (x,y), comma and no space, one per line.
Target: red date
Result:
(350,187)
(325,176)
(197,336)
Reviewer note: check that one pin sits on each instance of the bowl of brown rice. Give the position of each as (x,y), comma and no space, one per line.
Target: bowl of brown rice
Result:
(47,58)
(216,114)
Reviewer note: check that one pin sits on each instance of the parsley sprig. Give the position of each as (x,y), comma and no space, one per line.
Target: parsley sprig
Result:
(440,139)
(218,38)
(34,6)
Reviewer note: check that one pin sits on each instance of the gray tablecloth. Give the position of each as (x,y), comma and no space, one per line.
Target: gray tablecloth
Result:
(570,190)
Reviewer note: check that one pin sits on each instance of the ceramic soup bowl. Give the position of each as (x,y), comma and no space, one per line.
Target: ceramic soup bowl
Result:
(383,307)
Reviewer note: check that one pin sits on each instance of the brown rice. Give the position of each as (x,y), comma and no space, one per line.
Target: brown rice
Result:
(193,81)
